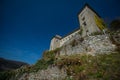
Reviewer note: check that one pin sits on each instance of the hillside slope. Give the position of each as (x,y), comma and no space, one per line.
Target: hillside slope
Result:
(104,65)
(10,64)
(73,67)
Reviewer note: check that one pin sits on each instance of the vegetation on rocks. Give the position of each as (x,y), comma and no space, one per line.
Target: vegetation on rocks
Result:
(87,67)
(115,25)
(48,59)
(14,74)
(78,67)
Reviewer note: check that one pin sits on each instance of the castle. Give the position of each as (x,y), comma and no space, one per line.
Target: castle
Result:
(90,22)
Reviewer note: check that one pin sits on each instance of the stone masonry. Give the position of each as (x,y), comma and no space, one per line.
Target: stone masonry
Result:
(88,25)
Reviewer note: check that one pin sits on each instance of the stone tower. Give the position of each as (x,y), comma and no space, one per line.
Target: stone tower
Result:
(87,19)
(55,42)
(90,23)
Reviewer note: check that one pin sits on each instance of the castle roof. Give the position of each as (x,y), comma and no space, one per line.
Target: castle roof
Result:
(71,32)
(57,36)
(87,5)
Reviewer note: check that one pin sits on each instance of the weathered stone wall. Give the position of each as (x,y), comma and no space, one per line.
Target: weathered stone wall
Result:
(52,73)
(89,45)
(55,42)
(68,37)
(87,26)
(87,21)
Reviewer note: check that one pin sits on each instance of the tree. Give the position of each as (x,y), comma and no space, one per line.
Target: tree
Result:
(115,25)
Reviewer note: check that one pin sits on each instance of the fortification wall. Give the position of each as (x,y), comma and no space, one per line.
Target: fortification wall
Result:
(55,43)
(68,38)
(89,45)
(87,22)
(88,26)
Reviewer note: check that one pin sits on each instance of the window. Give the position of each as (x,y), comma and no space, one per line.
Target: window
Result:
(56,40)
(83,18)
(84,23)
(87,31)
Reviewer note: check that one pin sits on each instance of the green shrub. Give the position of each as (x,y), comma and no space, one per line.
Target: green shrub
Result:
(96,33)
(73,43)
(99,67)
(81,31)
(6,75)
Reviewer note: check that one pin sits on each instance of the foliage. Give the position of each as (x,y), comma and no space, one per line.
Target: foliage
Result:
(115,25)
(41,64)
(48,59)
(78,67)
(14,74)
(73,43)
(96,33)
(81,39)
(99,67)
(100,23)
(6,75)
(81,31)
(48,55)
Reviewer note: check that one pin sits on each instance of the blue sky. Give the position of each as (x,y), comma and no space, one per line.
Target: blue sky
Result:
(27,26)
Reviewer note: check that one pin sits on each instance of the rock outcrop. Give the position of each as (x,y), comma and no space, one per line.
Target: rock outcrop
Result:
(67,63)
(97,44)
(51,73)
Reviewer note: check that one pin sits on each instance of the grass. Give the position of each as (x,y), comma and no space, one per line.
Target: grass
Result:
(99,67)
(78,67)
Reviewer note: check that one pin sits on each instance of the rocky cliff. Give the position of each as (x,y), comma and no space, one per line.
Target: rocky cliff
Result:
(51,73)
(94,57)
(97,44)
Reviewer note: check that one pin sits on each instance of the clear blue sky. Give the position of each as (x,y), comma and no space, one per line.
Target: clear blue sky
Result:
(27,26)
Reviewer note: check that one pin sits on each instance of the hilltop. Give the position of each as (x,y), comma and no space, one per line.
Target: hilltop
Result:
(101,66)
(92,52)
(73,67)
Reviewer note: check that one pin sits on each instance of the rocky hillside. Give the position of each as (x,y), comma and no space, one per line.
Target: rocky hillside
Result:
(73,67)
(99,59)
(93,45)
(10,64)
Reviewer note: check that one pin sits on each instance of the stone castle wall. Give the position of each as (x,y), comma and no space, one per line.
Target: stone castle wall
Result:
(87,22)
(55,43)
(68,38)
(88,26)
(51,73)
(98,44)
